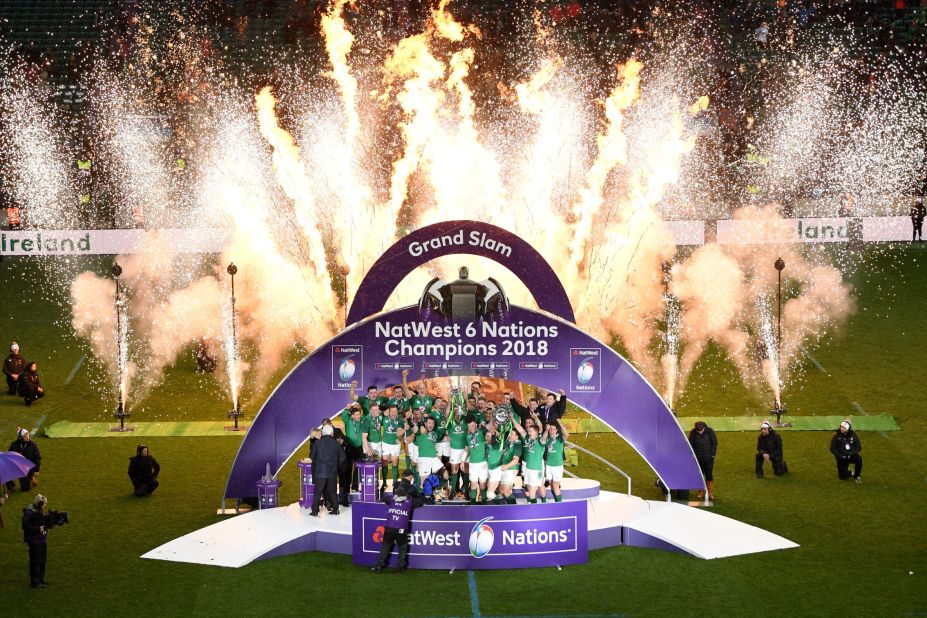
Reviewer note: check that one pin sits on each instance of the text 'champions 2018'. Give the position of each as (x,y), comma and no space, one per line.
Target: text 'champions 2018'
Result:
(450,340)
(460,239)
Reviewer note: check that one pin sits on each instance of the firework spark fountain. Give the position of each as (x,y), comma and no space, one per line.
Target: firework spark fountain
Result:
(413,136)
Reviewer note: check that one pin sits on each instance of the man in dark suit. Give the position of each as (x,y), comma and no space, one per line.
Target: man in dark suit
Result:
(327,457)
(553,409)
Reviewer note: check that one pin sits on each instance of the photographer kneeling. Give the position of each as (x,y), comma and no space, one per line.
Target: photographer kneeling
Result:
(36,523)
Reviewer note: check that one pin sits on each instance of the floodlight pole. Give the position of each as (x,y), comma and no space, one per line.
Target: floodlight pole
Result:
(121,413)
(780,265)
(236,411)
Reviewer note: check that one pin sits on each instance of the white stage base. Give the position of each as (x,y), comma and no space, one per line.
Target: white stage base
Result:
(241,540)
(702,533)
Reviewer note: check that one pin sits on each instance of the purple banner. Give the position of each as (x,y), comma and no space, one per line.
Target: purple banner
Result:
(479,537)
(528,346)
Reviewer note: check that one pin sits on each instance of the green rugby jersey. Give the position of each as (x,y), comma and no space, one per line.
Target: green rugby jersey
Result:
(390,427)
(425,401)
(426,443)
(494,453)
(458,431)
(477,443)
(511,450)
(352,428)
(365,402)
(554,451)
(372,427)
(402,404)
(533,453)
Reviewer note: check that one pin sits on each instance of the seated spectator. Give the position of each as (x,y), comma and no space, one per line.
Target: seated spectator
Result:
(28,449)
(30,389)
(143,472)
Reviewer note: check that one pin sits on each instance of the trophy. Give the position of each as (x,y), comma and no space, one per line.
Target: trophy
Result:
(502,415)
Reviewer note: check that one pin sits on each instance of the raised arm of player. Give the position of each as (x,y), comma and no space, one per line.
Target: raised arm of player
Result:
(563,431)
(353,391)
(561,404)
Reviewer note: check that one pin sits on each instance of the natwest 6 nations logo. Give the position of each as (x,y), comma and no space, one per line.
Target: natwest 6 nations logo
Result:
(585,370)
(347,365)
(481,538)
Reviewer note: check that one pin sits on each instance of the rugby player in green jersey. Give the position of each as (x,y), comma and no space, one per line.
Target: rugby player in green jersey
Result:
(419,399)
(371,428)
(533,454)
(476,456)
(457,430)
(479,412)
(414,420)
(553,441)
(393,428)
(372,396)
(426,441)
(493,462)
(510,463)
(353,434)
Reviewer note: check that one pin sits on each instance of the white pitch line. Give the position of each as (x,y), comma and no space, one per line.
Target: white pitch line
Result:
(813,360)
(859,409)
(73,373)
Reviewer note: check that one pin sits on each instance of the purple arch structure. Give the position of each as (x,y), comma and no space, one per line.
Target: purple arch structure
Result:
(400,259)
(616,393)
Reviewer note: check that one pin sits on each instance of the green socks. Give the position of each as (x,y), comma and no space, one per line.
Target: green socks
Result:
(395,471)
(454,478)
(532,500)
(511,499)
(558,498)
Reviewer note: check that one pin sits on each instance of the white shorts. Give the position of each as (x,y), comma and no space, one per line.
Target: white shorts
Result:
(444,449)
(427,465)
(377,448)
(553,473)
(533,478)
(390,450)
(479,471)
(508,476)
(495,475)
(458,455)
(412,451)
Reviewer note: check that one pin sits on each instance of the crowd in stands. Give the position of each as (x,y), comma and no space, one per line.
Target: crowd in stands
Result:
(748,45)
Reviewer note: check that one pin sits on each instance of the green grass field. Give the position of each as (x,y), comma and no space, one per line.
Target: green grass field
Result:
(863,549)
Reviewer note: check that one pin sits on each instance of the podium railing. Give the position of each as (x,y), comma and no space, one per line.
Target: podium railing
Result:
(603,460)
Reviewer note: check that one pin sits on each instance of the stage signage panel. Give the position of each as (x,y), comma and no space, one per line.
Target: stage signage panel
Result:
(347,366)
(585,370)
(479,537)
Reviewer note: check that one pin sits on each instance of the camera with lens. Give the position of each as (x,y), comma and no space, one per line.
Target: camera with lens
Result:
(55,518)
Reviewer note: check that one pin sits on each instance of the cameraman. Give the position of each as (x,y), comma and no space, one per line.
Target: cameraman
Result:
(35,534)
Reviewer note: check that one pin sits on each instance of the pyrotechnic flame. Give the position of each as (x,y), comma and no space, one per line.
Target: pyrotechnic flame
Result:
(594,213)
(612,150)
(338,42)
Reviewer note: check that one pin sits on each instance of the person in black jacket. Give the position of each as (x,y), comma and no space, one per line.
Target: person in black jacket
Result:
(30,389)
(13,368)
(769,448)
(553,409)
(918,213)
(24,445)
(35,536)
(705,446)
(845,446)
(328,459)
(143,472)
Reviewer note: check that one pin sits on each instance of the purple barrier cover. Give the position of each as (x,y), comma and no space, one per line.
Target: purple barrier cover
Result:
(479,537)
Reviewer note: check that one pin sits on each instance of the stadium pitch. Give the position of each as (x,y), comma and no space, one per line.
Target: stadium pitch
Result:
(862,546)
